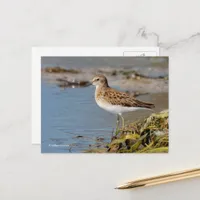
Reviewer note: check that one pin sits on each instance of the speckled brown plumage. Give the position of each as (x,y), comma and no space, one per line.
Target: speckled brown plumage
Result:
(108,95)
(115,97)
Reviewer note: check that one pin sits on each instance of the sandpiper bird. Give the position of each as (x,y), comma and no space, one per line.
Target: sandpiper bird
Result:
(115,101)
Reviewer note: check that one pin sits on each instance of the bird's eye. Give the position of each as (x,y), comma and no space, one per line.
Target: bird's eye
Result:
(97,79)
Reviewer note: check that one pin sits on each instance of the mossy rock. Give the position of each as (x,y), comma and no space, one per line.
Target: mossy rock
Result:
(149,135)
(96,150)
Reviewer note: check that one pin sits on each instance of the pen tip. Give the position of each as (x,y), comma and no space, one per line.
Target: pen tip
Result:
(129,186)
(121,187)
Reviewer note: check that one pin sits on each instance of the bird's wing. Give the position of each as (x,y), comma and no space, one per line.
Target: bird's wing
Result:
(121,98)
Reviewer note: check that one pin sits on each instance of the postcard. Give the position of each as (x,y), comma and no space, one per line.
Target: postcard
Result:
(103,104)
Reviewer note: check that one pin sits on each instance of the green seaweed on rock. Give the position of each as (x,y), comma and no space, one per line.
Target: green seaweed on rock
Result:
(149,135)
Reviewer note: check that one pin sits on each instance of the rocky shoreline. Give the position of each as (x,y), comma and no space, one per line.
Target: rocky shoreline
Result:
(150,135)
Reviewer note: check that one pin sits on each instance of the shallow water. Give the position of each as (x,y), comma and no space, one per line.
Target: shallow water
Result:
(71,120)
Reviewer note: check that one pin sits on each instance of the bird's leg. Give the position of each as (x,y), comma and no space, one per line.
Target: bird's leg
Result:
(117,125)
(122,121)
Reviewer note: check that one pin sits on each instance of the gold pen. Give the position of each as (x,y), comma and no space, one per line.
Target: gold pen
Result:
(166,178)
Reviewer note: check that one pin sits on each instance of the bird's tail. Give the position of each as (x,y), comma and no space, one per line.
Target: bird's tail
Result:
(145,104)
